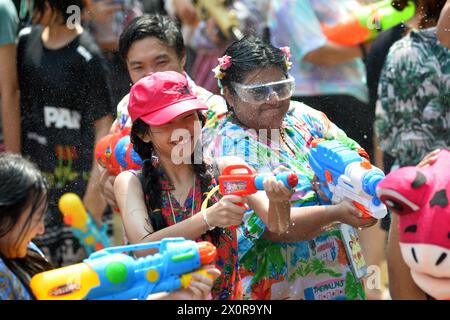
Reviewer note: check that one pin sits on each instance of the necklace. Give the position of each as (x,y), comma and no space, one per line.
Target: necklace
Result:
(171,206)
(283,138)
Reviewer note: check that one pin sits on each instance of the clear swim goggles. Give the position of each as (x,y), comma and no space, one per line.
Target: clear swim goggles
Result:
(260,93)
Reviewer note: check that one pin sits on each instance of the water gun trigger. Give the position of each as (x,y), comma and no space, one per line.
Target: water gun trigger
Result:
(365,214)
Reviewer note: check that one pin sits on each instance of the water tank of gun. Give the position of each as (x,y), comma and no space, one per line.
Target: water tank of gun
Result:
(370,181)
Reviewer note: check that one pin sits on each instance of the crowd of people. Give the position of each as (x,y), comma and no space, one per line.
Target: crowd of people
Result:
(252,83)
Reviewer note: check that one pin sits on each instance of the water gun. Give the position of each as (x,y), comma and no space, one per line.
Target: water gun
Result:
(226,19)
(344,175)
(125,155)
(115,153)
(83,226)
(104,153)
(242,184)
(367,22)
(110,274)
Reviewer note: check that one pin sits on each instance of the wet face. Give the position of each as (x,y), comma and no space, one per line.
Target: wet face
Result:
(30,224)
(151,55)
(177,139)
(266,115)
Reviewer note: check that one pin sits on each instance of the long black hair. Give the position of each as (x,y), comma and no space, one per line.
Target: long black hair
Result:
(151,182)
(249,54)
(22,186)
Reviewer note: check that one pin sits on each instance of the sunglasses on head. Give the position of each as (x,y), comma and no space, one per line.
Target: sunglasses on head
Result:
(260,93)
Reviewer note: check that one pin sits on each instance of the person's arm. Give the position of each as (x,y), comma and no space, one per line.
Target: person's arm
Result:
(186,11)
(120,123)
(93,199)
(138,228)
(401,283)
(98,112)
(298,26)
(443,26)
(309,222)
(332,54)
(9,92)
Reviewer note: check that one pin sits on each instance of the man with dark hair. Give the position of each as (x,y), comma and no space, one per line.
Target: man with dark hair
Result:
(153,43)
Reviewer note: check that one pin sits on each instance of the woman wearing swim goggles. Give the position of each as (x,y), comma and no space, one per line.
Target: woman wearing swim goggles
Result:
(257,92)
(257,87)
(261,93)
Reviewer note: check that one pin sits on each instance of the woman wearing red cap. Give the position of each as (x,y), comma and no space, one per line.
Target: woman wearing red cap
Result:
(164,199)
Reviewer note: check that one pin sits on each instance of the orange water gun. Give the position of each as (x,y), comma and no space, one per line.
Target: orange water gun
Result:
(242,184)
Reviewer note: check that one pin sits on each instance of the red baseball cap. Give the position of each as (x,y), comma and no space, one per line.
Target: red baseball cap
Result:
(160,97)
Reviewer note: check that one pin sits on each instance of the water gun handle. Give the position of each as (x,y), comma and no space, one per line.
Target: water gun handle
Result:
(246,179)
(186,278)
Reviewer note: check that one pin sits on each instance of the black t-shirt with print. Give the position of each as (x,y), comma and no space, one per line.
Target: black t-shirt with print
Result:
(63,93)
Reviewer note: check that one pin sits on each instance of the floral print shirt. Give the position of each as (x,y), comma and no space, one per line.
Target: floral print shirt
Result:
(316,269)
(11,288)
(413,110)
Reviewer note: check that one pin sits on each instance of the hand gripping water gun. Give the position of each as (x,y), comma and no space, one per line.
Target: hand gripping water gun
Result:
(83,226)
(242,184)
(104,153)
(226,19)
(110,274)
(344,175)
(367,22)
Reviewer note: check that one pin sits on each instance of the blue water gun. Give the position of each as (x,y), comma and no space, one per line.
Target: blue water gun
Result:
(110,274)
(126,156)
(84,228)
(344,175)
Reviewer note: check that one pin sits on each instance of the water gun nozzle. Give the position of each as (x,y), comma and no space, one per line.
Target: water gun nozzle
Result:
(207,252)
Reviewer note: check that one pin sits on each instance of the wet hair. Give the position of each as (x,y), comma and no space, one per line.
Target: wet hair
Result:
(59,6)
(150,177)
(249,54)
(430,11)
(154,25)
(22,186)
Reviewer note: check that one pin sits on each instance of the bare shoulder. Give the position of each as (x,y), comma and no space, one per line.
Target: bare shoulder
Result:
(125,180)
